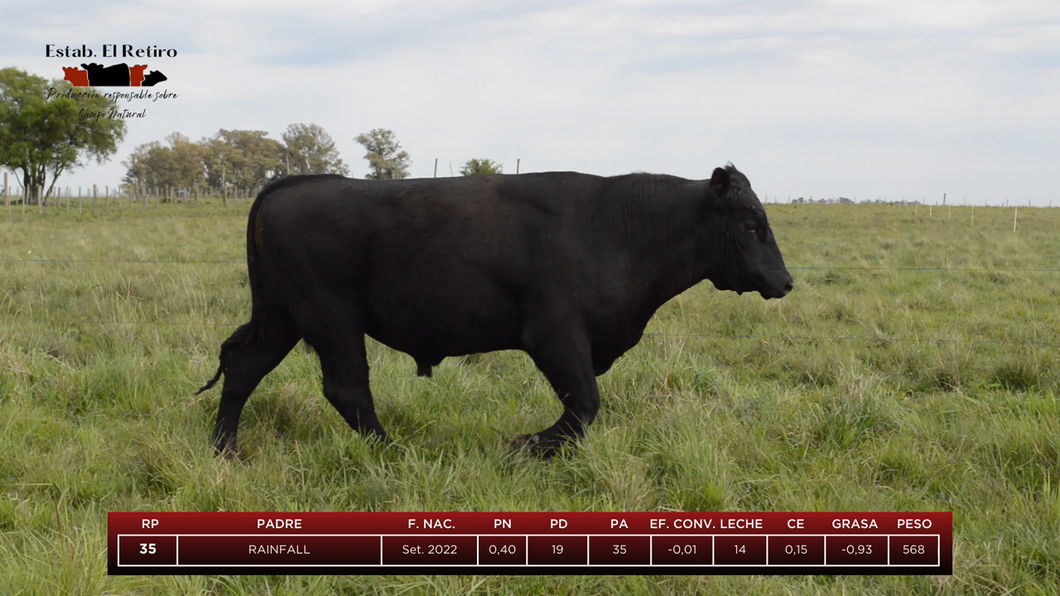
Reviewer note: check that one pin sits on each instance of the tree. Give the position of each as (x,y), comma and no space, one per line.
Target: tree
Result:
(138,168)
(244,159)
(473,167)
(180,165)
(48,128)
(384,155)
(310,150)
(142,166)
(186,162)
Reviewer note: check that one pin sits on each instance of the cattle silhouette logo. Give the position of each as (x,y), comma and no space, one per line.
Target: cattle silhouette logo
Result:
(115,75)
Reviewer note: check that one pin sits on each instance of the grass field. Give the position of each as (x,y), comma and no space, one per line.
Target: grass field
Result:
(914,368)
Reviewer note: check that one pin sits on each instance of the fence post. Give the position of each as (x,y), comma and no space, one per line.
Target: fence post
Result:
(7,203)
(517,160)
(106,198)
(1015,215)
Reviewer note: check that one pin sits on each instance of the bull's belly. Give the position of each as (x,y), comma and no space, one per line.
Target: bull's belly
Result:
(431,329)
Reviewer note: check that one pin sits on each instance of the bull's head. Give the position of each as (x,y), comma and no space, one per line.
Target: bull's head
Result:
(741,253)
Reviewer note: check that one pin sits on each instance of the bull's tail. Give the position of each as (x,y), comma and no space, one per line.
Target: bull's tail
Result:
(244,335)
(251,332)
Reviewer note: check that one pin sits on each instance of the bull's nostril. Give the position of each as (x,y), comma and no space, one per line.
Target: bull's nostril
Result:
(788,287)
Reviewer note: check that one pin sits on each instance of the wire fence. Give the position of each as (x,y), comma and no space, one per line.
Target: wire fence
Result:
(60,198)
(125,261)
(13,194)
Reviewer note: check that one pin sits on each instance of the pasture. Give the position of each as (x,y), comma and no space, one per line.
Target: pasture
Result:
(914,368)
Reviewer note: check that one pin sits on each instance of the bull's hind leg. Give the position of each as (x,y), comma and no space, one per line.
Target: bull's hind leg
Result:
(566,361)
(339,342)
(346,386)
(247,356)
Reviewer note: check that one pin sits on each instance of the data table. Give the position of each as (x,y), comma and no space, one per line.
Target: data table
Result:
(530,543)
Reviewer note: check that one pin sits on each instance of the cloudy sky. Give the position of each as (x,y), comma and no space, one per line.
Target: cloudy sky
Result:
(866,99)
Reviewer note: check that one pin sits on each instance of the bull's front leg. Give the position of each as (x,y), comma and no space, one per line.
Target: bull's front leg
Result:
(563,353)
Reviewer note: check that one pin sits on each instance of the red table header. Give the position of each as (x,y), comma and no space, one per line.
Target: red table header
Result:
(480,523)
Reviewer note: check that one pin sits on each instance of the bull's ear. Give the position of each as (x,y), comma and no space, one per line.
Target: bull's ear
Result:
(719,182)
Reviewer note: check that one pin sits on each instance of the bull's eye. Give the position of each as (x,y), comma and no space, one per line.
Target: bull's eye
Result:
(750,225)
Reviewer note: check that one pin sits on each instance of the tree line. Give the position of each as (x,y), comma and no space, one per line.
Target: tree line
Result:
(247,159)
(232,159)
(44,132)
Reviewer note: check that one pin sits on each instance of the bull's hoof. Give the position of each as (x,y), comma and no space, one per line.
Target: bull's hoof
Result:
(232,455)
(535,445)
(227,450)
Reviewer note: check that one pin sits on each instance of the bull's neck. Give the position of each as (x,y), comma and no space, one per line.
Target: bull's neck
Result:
(661,231)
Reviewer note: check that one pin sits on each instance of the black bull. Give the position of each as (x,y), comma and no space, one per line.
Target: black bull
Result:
(567,267)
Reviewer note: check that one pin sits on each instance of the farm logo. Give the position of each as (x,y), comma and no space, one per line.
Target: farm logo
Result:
(93,74)
(116,75)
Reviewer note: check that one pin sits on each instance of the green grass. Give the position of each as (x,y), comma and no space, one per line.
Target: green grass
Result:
(880,384)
